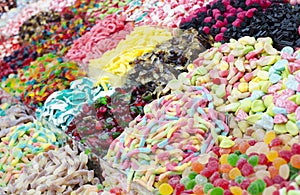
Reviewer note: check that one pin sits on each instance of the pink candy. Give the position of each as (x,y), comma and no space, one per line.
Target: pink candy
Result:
(104,36)
(280,118)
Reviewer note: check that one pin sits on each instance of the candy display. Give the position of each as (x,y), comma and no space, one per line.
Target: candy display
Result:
(20,146)
(102,37)
(117,61)
(164,97)
(56,171)
(160,13)
(164,63)
(33,84)
(62,107)
(21,57)
(7,47)
(174,130)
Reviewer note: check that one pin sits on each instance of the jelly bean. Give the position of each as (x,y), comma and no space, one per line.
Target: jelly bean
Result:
(207,187)
(197,166)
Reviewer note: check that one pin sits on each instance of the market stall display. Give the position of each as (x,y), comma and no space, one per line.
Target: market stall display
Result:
(150,97)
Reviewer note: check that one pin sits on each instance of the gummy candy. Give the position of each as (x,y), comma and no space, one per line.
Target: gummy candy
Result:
(270,135)
(207,187)
(217,191)
(253,160)
(278,162)
(232,159)
(165,189)
(271,155)
(197,167)
(295,161)
(233,173)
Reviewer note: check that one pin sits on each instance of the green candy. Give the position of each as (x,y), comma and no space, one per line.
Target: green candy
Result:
(253,189)
(190,185)
(192,175)
(207,187)
(217,191)
(253,160)
(261,185)
(239,179)
(232,159)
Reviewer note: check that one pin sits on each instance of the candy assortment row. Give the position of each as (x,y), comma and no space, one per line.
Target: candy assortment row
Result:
(224,121)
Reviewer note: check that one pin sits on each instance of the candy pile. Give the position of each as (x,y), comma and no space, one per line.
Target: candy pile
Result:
(35,23)
(279,21)
(33,84)
(102,37)
(117,61)
(62,107)
(6,5)
(250,167)
(60,171)
(174,130)
(250,79)
(99,124)
(20,145)
(235,19)
(160,13)
(19,58)
(106,7)
(8,46)
(165,62)
(218,16)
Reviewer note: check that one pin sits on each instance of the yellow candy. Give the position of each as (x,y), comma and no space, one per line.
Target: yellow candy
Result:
(235,190)
(243,87)
(141,40)
(165,189)
(223,159)
(270,135)
(272,155)
(233,173)
(224,65)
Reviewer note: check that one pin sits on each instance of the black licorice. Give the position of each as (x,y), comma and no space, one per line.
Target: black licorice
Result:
(280,22)
(276,19)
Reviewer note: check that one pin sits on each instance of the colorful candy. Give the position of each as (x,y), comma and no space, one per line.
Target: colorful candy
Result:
(104,36)
(33,84)
(62,107)
(20,145)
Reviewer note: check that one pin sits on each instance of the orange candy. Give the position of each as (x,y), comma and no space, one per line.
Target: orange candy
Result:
(198,190)
(243,147)
(225,168)
(197,167)
(273,171)
(278,162)
(295,161)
